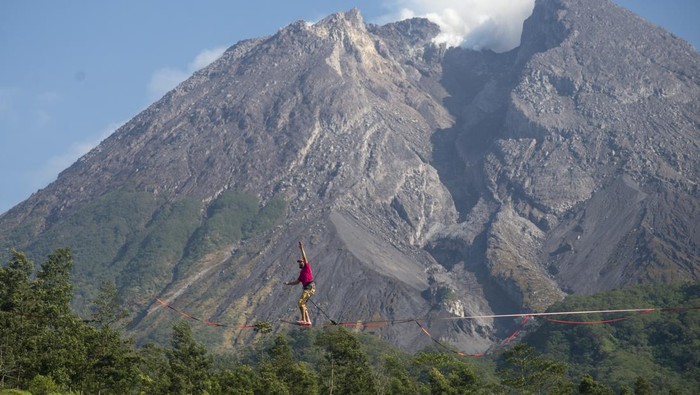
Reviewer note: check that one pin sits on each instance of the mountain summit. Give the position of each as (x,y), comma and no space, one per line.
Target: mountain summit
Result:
(425,181)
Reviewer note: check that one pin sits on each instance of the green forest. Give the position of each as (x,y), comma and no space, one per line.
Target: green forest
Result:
(46,348)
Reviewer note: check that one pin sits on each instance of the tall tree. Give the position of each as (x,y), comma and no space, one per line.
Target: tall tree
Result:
(398,379)
(108,308)
(189,363)
(296,375)
(239,381)
(53,284)
(269,383)
(15,302)
(154,369)
(445,373)
(14,281)
(347,370)
(57,347)
(111,362)
(528,373)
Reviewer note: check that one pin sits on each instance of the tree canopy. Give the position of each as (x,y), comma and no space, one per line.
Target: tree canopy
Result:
(46,348)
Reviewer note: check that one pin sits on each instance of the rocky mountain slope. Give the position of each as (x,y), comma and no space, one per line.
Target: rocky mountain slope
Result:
(425,181)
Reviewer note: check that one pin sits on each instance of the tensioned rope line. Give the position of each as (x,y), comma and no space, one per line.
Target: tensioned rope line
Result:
(646,310)
(546,315)
(516,331)
(463,354)
(513,315)
(516,315)
(608,321)
(367,324)
(182,313)
(525,318)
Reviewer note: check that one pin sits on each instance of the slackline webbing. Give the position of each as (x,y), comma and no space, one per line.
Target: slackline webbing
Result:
(525,317)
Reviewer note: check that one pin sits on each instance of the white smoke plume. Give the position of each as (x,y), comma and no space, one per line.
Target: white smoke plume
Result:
(475,24)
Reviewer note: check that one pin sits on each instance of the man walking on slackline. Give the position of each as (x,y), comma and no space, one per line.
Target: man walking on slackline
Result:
(306,279)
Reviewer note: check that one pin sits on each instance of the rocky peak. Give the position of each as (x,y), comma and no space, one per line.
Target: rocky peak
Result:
(344,20)
(413,172)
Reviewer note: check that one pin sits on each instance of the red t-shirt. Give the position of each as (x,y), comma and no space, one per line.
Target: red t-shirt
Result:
(305,275)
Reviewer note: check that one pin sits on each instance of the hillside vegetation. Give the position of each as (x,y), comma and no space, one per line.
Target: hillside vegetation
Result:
(146,242)
(663,347)
(47,348)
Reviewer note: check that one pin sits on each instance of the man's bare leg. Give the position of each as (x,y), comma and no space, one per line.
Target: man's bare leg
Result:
(306,315)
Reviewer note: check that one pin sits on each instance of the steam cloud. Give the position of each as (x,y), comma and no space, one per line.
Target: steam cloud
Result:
(475,24)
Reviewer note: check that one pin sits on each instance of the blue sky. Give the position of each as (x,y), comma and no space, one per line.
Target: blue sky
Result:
(72,71)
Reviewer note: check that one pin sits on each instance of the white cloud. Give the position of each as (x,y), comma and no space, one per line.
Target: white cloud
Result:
(164,80)
(475,24)
(56,164)
(205,58)
(167,78)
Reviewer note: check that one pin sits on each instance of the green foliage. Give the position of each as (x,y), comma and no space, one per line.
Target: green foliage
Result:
(297,376)
(528,373)
(111,362)
(444,295)
(588,386)
(140,241)
(46,348)
(151,253)
(96,235)
(15,280)
(445,373)
(14,392)
(242,380)
(98,230)
(268,382)
(20,236)
(262,327)
(44,345)
(231,217)
(42,385)
(53,284)
(399,379)
(661,346)
(346,369)
(108,307)
(154,370)
(189,363)
(642,387)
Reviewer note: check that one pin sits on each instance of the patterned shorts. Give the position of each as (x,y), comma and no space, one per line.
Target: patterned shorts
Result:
(306,294)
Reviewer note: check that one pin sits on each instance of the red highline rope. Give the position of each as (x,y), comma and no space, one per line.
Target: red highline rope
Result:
(525,316)
(592,322)
(517,330)
(182,313)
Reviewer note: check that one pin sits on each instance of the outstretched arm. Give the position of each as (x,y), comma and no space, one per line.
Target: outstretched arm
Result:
(295,282)
(303,254)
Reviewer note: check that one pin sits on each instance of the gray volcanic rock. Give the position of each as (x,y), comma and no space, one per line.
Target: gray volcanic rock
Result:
(612,127)
(426,182)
